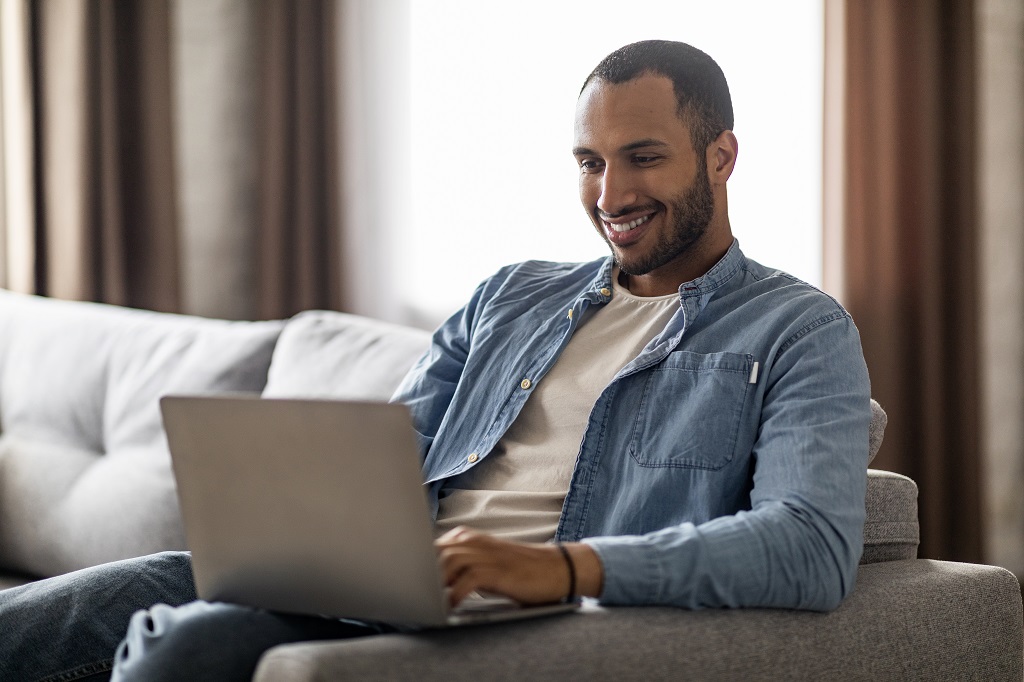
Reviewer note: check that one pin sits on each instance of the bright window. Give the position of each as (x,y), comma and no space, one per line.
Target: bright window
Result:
(494,89)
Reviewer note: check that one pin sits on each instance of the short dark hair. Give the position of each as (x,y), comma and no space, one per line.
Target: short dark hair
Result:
(698,82)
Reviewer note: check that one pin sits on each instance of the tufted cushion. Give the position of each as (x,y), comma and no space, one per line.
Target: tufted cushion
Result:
(84,468)
(334,355)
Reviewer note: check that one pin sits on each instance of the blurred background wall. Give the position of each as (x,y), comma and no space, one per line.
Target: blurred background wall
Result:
(1000,134)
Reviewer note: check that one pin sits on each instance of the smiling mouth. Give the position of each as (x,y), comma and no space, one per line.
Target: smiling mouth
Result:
(631,225)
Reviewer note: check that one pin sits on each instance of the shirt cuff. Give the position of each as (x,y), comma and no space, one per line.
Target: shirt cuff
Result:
(631,573)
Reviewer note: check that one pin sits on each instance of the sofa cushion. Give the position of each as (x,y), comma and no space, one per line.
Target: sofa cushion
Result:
(891,530)
(324,354)
(84,469)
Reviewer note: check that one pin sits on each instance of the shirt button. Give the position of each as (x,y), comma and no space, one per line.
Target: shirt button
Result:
(473,458)
(525,384)
(606,291)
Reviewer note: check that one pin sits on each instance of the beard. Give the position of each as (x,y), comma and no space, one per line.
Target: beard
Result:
(693,211)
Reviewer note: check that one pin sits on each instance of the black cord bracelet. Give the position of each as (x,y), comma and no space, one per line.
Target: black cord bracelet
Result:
(571,597)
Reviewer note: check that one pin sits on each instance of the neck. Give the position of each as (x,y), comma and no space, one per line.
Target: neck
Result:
(686,267)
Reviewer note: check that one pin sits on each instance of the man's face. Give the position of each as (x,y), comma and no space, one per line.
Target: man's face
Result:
(643,185)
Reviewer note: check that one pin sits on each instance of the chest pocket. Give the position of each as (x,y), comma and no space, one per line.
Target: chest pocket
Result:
(690,411)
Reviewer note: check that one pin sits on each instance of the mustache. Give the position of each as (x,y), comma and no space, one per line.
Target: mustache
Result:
(647,208)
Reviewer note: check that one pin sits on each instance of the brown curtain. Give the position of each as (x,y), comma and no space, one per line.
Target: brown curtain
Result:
(105,204)
(106,218)
(911,248)
(299,245)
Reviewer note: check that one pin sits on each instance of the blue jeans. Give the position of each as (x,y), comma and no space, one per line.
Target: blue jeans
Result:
(69,627)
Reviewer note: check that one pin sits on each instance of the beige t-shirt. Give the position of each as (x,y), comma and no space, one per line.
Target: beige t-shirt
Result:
(517,491)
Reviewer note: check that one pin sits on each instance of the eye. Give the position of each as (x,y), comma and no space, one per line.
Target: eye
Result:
(589,165)
(644,159)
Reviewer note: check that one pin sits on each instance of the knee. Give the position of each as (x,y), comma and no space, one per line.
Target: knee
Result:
(163,642)
(174,570)
(163,578)
(221,642)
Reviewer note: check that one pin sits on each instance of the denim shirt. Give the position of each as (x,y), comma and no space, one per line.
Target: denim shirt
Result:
(724,466)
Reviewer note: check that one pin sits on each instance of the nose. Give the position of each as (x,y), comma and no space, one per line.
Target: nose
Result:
(617,191)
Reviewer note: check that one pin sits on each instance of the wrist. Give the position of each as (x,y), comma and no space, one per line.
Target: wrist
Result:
(588,569)
(570,565)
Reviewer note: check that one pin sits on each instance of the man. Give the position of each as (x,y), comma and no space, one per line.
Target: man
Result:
(689,427)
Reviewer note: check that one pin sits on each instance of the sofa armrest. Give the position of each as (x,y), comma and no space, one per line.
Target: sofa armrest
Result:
(915,619)
(891,530)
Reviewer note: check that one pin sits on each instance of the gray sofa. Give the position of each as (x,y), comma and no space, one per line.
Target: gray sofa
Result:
(85,478)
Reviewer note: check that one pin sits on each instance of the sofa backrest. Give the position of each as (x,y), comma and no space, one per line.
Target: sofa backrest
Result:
(84,470)
(324,354)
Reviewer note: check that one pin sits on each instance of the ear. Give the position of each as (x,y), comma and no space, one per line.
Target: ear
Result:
(721,157)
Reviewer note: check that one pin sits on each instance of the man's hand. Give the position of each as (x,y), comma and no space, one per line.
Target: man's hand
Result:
(529,573)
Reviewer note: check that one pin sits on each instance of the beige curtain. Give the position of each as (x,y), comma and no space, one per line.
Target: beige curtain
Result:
(911,246)
(299,243)
(96,203)
(90,199)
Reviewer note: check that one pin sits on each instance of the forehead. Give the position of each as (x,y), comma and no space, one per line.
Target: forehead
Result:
(611,115)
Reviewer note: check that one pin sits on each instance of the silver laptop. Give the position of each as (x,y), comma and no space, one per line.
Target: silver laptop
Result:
(313,506)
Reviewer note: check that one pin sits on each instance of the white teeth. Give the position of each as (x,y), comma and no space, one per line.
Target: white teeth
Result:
(626,227)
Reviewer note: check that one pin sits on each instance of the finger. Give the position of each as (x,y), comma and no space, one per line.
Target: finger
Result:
(456,553)
(452,565)
(471,580)
(456,560)
(456,534)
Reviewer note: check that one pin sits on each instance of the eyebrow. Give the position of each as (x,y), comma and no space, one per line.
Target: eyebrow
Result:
(639,144)
(632,146)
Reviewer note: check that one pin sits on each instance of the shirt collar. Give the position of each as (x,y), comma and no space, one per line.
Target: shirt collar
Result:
(720,273)
(703,287)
